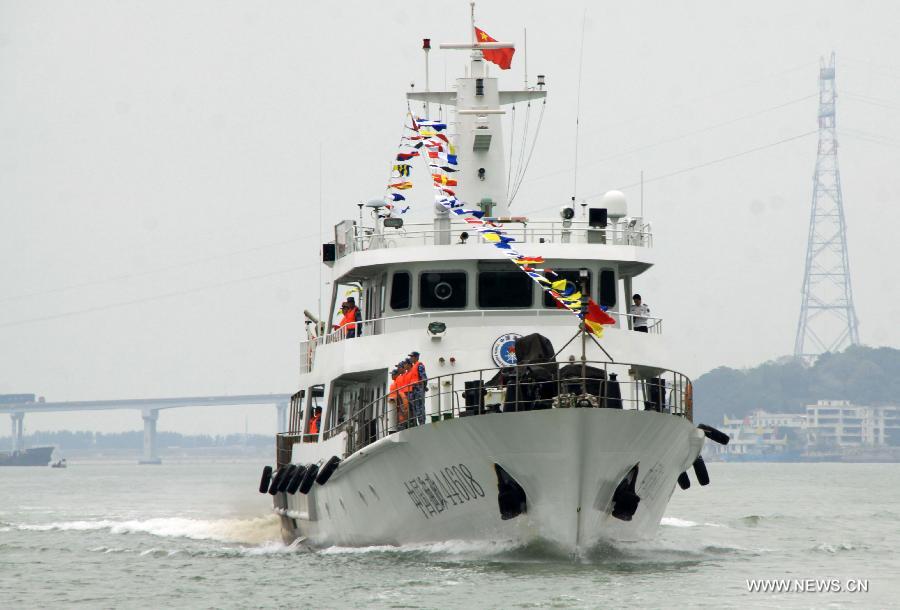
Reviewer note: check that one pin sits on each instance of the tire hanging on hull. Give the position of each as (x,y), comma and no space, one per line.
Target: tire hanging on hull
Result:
(717,436)
(265,480)
(309,478)
(511,497)
(700,471)
(276,481)
(328,469)
(625,499)
(294,485)
(288,475)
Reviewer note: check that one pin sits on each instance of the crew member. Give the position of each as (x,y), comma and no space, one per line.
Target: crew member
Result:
(403,389)
(355,316)
(418,392)
(347,323)
(394,396)
(639,314)
(316,421)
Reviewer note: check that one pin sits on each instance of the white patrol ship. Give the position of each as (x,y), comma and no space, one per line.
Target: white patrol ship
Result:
(527,427)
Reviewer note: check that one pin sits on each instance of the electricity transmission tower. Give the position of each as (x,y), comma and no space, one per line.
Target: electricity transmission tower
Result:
(827,318)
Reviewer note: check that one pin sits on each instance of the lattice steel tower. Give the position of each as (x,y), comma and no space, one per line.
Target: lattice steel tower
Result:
(827,318)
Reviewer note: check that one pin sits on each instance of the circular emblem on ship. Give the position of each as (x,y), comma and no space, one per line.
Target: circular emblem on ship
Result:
(504,349)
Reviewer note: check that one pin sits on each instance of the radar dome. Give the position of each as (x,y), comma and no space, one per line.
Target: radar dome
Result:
(615,204)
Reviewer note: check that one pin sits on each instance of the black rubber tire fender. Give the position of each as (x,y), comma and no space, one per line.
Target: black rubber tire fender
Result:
(265,480)
(276,481)
(717,436)
(309,478)
(289,472)
(700,471)
(684,481)
(328,469)
(296,480)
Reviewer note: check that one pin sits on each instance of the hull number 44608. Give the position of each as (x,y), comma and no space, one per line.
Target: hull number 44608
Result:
(435,492)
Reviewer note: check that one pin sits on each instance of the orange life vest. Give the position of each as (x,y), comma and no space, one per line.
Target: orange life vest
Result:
(314,424)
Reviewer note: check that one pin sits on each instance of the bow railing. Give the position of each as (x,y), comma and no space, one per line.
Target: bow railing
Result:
(517,389)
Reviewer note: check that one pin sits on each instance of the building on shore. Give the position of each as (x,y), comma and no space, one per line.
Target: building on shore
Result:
(835,424)
(829,429)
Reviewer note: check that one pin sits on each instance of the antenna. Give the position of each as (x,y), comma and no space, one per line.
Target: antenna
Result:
(525,57)
(578,107)
(426,46)
(321,242)
(642,193)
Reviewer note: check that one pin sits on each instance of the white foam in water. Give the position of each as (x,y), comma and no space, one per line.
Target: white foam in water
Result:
(247,531)
(676,522)
(448,547)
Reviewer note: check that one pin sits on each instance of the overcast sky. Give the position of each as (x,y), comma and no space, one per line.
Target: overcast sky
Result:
(159,172)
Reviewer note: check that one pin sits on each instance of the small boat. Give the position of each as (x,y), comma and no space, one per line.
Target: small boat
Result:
(59,464)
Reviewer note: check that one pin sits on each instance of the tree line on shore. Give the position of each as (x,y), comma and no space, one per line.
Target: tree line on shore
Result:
(863,375)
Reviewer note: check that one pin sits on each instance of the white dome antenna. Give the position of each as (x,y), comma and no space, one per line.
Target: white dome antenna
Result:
(615,203)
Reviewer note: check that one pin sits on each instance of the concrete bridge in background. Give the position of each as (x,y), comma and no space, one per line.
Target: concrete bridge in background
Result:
(149,408)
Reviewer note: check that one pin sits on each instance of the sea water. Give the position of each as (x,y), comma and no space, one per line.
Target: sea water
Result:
(200,536)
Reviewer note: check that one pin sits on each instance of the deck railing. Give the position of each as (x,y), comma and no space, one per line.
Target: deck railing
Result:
(627,232)
(525,387)
(409,321)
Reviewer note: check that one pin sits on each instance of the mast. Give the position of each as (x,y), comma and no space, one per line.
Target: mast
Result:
(478,133)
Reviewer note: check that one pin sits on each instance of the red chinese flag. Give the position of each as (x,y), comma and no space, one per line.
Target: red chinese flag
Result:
(501,57)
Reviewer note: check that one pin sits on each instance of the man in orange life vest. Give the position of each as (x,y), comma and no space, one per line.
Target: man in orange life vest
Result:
(347,324)
(355,317)
(404,379)
(316,421)
(394,400)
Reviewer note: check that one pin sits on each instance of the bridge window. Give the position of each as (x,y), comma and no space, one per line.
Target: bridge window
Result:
(442,290)
(567,274)
(400,290)
(607,295)
(504,289)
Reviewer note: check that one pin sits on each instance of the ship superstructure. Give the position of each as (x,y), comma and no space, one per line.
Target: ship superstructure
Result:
(526,425)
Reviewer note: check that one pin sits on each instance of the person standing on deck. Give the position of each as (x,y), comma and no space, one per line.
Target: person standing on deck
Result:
(394,401)
(639,313)
(418,391)
(404,379)
(355,316)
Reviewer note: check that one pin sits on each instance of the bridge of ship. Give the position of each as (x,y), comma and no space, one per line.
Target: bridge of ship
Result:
(149,408)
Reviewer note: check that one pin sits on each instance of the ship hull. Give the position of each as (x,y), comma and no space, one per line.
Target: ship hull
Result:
(440,481)
(35,456)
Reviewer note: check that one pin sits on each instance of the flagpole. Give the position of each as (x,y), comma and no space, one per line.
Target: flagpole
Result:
(472,16)
(426,46)
(525,55)
(578,108)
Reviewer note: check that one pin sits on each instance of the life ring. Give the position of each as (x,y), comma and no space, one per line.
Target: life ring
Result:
(700,471)
(684,481)
(265,480)
(296,480)
(328,469)
(308,479)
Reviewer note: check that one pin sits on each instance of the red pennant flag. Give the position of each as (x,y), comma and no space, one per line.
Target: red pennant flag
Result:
(501,57)
(596,315)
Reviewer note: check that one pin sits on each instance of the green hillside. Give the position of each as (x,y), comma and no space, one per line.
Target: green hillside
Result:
(864,375)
